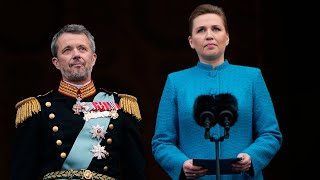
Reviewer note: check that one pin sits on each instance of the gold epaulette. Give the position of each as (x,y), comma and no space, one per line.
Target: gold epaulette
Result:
(26,108)
(130,105)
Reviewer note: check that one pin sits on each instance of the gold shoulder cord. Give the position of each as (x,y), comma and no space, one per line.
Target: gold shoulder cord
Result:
(26,108)
(130,105)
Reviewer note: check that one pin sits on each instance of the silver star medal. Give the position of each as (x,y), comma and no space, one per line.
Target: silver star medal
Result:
(98,132)
(99,151)
(77,108)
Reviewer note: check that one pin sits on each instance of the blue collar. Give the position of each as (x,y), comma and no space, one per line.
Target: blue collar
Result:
(208,67)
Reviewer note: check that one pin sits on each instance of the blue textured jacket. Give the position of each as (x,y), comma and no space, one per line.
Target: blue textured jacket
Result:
(178,137)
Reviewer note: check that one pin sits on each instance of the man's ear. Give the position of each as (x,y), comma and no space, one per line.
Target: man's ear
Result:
(94,58)
(55,62)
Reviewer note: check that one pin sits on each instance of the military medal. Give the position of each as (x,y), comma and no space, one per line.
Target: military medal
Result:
(99,151)
(93,110)
(77,108)
(96,114)
(98,132)
(103,106)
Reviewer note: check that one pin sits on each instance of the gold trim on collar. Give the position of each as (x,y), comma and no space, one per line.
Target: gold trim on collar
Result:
(72,91)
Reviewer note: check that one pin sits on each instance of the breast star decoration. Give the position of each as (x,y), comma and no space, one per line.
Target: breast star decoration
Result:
(99,152)
(98,132)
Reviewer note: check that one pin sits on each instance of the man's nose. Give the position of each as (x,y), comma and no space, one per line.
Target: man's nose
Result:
(76,53)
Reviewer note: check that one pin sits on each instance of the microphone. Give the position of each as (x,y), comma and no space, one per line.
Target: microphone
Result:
(204,108)
(227,109)
(208,118)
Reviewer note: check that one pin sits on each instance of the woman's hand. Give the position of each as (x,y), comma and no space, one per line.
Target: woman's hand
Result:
(244,164)
(191,171)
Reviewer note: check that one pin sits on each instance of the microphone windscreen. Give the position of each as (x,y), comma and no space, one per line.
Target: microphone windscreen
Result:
(227,102)
(204,103)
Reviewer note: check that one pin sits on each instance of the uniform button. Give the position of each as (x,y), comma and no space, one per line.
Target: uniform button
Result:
(111,126)
(213,74)
(105,168)
(51,116)
(59,142)
(87,174)
(109,140)
(48,104)
(55,129)
(63,155)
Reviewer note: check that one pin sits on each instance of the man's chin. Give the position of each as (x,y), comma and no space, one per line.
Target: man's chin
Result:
(78,77)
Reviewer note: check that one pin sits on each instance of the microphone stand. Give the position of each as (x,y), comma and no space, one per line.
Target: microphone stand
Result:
(217,145)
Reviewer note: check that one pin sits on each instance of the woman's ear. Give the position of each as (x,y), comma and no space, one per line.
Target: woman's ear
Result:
(190,42)
(227,42)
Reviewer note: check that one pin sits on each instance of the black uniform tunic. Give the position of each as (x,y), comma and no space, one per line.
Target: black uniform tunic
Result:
(45,138)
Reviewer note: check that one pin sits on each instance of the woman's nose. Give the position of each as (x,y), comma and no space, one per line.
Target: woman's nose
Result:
(209,35)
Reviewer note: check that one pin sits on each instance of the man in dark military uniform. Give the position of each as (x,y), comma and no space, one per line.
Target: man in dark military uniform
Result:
(77,131)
